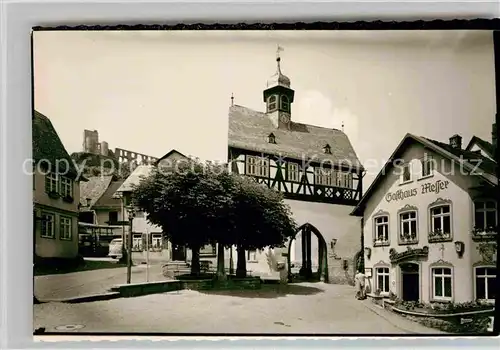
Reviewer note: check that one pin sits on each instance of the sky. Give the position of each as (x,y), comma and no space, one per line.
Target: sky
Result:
(153,91)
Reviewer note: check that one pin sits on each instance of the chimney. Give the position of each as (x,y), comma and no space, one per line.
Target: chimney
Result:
(456,141)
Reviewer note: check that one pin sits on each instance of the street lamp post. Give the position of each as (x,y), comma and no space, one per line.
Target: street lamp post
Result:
(131,213)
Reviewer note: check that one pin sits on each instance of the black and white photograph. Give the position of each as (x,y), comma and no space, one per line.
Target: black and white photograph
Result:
(264,182)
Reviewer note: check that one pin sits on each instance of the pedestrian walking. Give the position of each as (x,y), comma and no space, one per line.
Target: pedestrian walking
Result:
(359,279)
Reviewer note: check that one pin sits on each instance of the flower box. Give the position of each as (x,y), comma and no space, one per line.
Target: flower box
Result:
(439,236)
(68,199)
(54,194)
(484,233)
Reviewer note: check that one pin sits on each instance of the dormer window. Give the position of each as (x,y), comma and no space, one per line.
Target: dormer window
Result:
(271,138)
(285,104)
(327,149)
(271,103)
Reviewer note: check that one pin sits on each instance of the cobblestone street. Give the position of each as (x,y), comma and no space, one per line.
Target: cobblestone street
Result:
(301,308)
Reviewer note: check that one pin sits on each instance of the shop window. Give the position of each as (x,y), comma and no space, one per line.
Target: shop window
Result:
(485,283)
(442,284)
(382,279)
(440,223)
(381,224)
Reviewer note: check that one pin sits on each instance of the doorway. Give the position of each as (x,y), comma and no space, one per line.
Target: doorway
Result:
(410,282)
(178,253)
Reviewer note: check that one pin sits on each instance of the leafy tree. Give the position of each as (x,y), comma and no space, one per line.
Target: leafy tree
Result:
(260,218)
(188,204)
(198,204)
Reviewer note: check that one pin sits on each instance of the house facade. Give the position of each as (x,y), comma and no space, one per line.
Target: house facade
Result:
(429,223)
(56,194)
(318,172)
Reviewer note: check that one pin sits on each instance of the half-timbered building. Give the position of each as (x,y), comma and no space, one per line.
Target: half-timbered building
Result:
(318,172)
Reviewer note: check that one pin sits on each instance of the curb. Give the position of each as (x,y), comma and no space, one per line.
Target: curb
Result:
(85,298)
(399,321)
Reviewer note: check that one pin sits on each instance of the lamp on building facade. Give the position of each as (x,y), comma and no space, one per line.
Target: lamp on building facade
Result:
(459,248)
(368,253)
(333,243)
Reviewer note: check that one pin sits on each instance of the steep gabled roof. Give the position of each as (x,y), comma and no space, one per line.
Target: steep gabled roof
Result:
(249,130)
(470,161)
(134,178)
(486,146)
(169,154)
(94,188)
(107,199)
(48,147)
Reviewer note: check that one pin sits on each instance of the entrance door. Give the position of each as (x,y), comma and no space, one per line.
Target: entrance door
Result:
(178,253)
(410,278)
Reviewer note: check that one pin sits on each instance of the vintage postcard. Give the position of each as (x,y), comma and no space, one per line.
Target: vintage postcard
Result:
(264,182)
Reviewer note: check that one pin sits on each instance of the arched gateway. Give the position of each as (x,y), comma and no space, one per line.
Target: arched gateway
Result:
(306,272)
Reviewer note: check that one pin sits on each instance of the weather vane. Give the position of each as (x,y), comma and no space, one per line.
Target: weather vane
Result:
(232,99)
(278,50)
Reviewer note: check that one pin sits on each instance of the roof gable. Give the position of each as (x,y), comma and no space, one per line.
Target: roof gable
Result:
(93,189)
(107,199)
(486,146)
(250,130)
(134,178)
(469,159)
(47,146)
(172,154)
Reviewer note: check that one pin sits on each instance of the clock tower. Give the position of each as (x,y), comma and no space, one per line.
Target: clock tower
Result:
(278,97)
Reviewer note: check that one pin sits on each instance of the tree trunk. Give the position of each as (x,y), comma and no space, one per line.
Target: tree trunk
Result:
(221,271)
(195,261)
(241,265)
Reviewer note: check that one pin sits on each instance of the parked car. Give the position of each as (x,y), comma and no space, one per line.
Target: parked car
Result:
(115,248)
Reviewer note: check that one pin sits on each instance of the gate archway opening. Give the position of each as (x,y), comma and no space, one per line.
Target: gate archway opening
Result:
(308,271)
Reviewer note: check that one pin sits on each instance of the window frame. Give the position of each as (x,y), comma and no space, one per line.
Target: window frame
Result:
(388,274)
(44,221)
(68,224)
(66,186)
(433,236)
(324,175)
(423,162)
(51,179)
(485,210)
(272,103)
(260,166)
(485,280)
(443,298)
(284,103)
(293,171)
(251,252)
(410,167)
(387,241)
(406,210)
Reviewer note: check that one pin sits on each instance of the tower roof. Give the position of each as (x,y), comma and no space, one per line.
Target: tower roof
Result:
(278,79)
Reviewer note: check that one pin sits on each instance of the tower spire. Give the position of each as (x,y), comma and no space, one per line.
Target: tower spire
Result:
(232,99)
(342,126)
(278,58)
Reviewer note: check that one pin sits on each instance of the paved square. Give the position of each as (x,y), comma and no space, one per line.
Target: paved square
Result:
(313,308)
